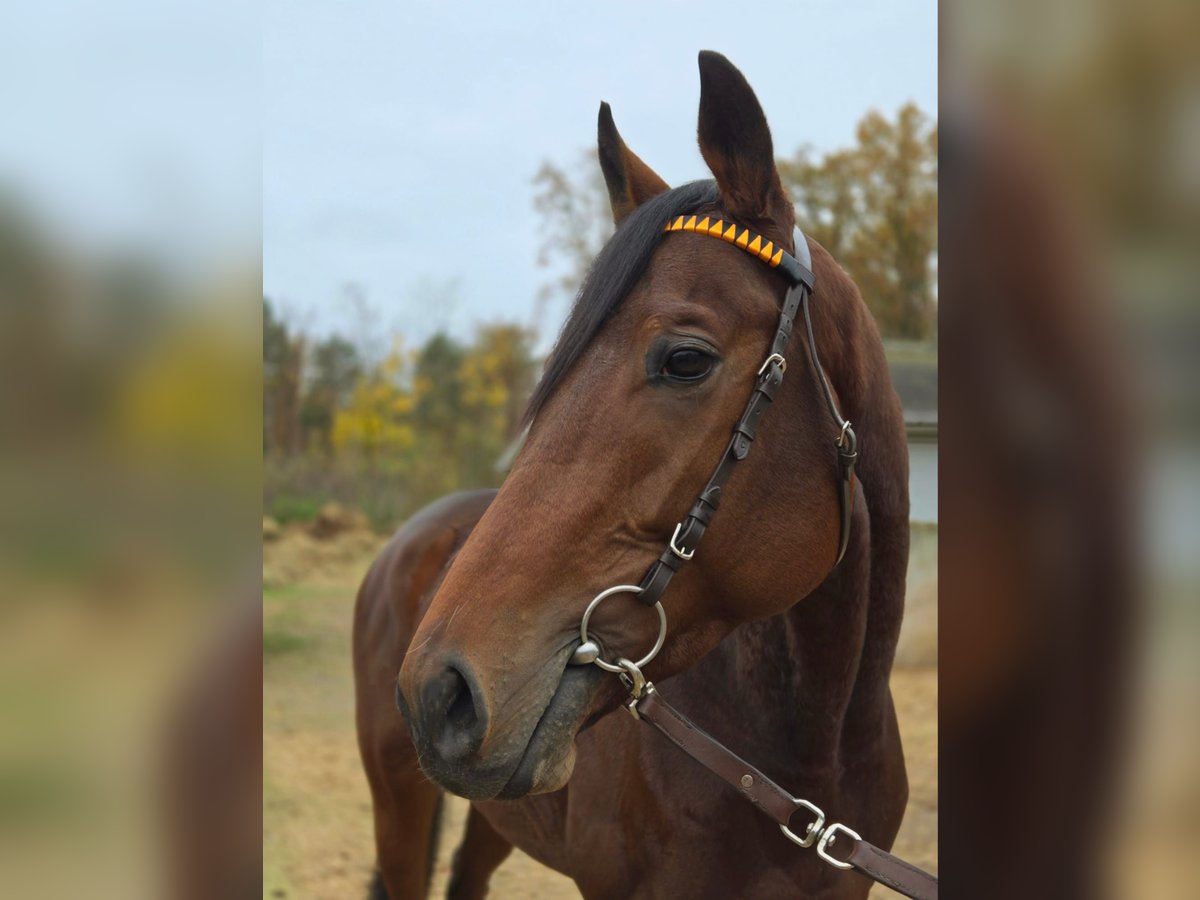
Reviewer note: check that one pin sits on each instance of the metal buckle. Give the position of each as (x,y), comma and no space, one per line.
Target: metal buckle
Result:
(828,837)
(631,705)
(842,434)
(676,549)
(773,358)
(814,827)
(631,676)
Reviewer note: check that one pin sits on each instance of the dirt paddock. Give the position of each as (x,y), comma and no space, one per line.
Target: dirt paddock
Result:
(317,839)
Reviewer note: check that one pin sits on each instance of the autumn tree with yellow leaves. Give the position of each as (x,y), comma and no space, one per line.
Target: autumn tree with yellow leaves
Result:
(387,438)
(874,208)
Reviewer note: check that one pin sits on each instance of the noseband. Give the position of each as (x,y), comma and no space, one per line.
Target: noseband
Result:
(798,270)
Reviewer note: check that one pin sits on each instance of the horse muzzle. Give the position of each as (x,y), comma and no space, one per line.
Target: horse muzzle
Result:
(477,741)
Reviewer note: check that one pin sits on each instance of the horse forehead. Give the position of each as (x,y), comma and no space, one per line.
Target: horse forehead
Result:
(691,269)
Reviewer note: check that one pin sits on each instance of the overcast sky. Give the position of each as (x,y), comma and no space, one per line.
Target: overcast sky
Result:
(400,139)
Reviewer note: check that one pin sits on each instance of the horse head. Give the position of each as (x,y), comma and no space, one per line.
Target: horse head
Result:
(650,373)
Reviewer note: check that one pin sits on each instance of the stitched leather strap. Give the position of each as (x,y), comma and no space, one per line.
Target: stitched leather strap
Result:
(722,762)
(773,800)
(892,871)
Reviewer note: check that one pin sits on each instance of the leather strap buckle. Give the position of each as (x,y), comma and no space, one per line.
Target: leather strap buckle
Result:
(774,358)
(676,549)
(828,836)
(841,439)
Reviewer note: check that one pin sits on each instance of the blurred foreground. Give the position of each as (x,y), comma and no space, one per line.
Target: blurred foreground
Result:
(1070,465)
(129,451)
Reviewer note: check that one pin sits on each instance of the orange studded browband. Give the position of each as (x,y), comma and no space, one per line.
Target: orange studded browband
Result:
(754,244)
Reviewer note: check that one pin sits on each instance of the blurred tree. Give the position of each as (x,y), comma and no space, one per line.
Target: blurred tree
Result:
(335,370)
(376,420)
(410,428)
(437,387)
(576,220)
(828,196)
(497,375)
(874,208)
(439,415)
(283,361)
(440,418)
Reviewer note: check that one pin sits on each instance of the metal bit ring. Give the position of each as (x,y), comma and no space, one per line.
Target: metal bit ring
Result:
(597,600)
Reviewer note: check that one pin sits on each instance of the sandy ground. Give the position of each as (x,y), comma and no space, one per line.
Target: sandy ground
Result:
(317,836)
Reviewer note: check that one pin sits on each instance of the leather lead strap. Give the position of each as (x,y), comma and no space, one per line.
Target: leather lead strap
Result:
(773,800)
(683,544)
(885,868)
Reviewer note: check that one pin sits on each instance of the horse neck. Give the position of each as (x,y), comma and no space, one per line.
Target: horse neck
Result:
(797,673)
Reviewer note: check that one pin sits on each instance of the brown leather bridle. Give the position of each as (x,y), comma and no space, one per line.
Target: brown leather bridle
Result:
(645,703)
(798,270)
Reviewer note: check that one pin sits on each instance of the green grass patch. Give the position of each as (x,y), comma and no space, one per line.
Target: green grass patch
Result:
(286,509)
(281,642)
(315,595)
(297,618)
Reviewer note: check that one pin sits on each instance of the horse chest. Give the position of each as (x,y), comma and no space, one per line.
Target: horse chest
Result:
(639,820)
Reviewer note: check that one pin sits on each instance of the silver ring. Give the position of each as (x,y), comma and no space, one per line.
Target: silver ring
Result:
(623,589)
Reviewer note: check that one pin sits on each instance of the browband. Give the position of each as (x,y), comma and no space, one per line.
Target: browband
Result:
(798,269)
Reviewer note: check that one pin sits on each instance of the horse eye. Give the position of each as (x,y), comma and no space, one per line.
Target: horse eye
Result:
(687,364)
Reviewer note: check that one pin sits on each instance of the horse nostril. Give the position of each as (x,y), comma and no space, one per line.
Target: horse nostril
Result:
(453,713)
(460,715)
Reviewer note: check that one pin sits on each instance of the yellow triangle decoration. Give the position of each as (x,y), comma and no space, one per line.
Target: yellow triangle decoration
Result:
(767,252)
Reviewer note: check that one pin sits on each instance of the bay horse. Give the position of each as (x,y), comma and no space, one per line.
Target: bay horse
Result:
(775,647)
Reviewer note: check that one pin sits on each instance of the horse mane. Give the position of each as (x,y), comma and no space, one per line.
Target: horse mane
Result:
(612,276)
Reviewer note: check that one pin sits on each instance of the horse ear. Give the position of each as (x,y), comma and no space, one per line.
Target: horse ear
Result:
(736,143)
(630,181)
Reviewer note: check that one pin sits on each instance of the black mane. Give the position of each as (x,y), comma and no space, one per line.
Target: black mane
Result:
(612,276)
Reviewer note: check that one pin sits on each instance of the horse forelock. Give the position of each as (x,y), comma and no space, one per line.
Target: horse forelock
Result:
(613,274)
